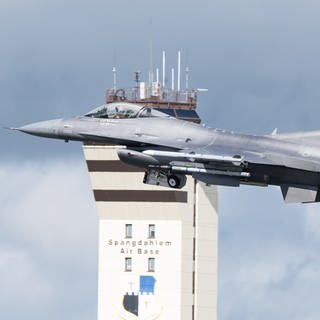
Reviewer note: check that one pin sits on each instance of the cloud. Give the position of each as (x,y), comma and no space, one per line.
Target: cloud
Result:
(313,222)
(21,279)
(48,252)
(260,61)
(269,264)
(278,282)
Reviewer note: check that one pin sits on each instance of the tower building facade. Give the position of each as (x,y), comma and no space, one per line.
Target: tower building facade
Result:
(157,245)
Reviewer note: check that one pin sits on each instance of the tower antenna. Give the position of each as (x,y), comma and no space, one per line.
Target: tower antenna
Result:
(179,70)
(187,77)
(163,69)
(151,55)
(187,70)
(172,79)
(114,71)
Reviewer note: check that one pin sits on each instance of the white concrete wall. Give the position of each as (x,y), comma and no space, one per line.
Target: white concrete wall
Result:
(186,276)
(206,253)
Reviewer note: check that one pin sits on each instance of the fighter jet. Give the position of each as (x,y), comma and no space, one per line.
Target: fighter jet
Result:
(169,149)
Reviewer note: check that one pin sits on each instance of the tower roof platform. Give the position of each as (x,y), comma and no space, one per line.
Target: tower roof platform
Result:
(178,104)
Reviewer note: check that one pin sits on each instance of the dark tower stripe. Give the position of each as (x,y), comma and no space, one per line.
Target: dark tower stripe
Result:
(111,166)
(140,196)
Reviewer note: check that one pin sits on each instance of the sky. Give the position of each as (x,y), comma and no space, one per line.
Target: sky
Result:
(260,61)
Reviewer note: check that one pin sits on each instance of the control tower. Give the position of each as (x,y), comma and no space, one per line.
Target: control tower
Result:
(180,104)
(157,245)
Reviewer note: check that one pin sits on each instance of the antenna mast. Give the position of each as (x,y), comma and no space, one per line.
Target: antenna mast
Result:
(187,77)
(151,56)
(163,69)
(172,79)
(179,70)
(114,71)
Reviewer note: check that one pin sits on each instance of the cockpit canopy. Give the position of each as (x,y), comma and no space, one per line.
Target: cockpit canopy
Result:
(121,110)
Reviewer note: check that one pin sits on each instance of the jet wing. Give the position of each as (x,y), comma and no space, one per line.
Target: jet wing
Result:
(220,158)
(217,157)
(285,160)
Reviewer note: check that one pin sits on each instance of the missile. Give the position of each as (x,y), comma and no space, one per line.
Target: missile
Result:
(236,160)
(211,171)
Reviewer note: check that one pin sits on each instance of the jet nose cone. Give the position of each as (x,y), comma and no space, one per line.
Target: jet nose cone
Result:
(49,129)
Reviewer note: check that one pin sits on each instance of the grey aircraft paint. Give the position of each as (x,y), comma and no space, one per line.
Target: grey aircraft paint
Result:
(168,149)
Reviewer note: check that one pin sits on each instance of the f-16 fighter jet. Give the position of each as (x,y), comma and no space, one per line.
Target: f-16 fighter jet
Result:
(169,149)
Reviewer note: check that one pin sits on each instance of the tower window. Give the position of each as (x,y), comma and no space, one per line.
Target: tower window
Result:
(151,264)
(152,231)
(128,230)
(128,264)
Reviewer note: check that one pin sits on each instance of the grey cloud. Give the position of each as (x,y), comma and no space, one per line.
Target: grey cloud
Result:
(312,223)
(260,61)
(17,265)
(268,253)
(48,253)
